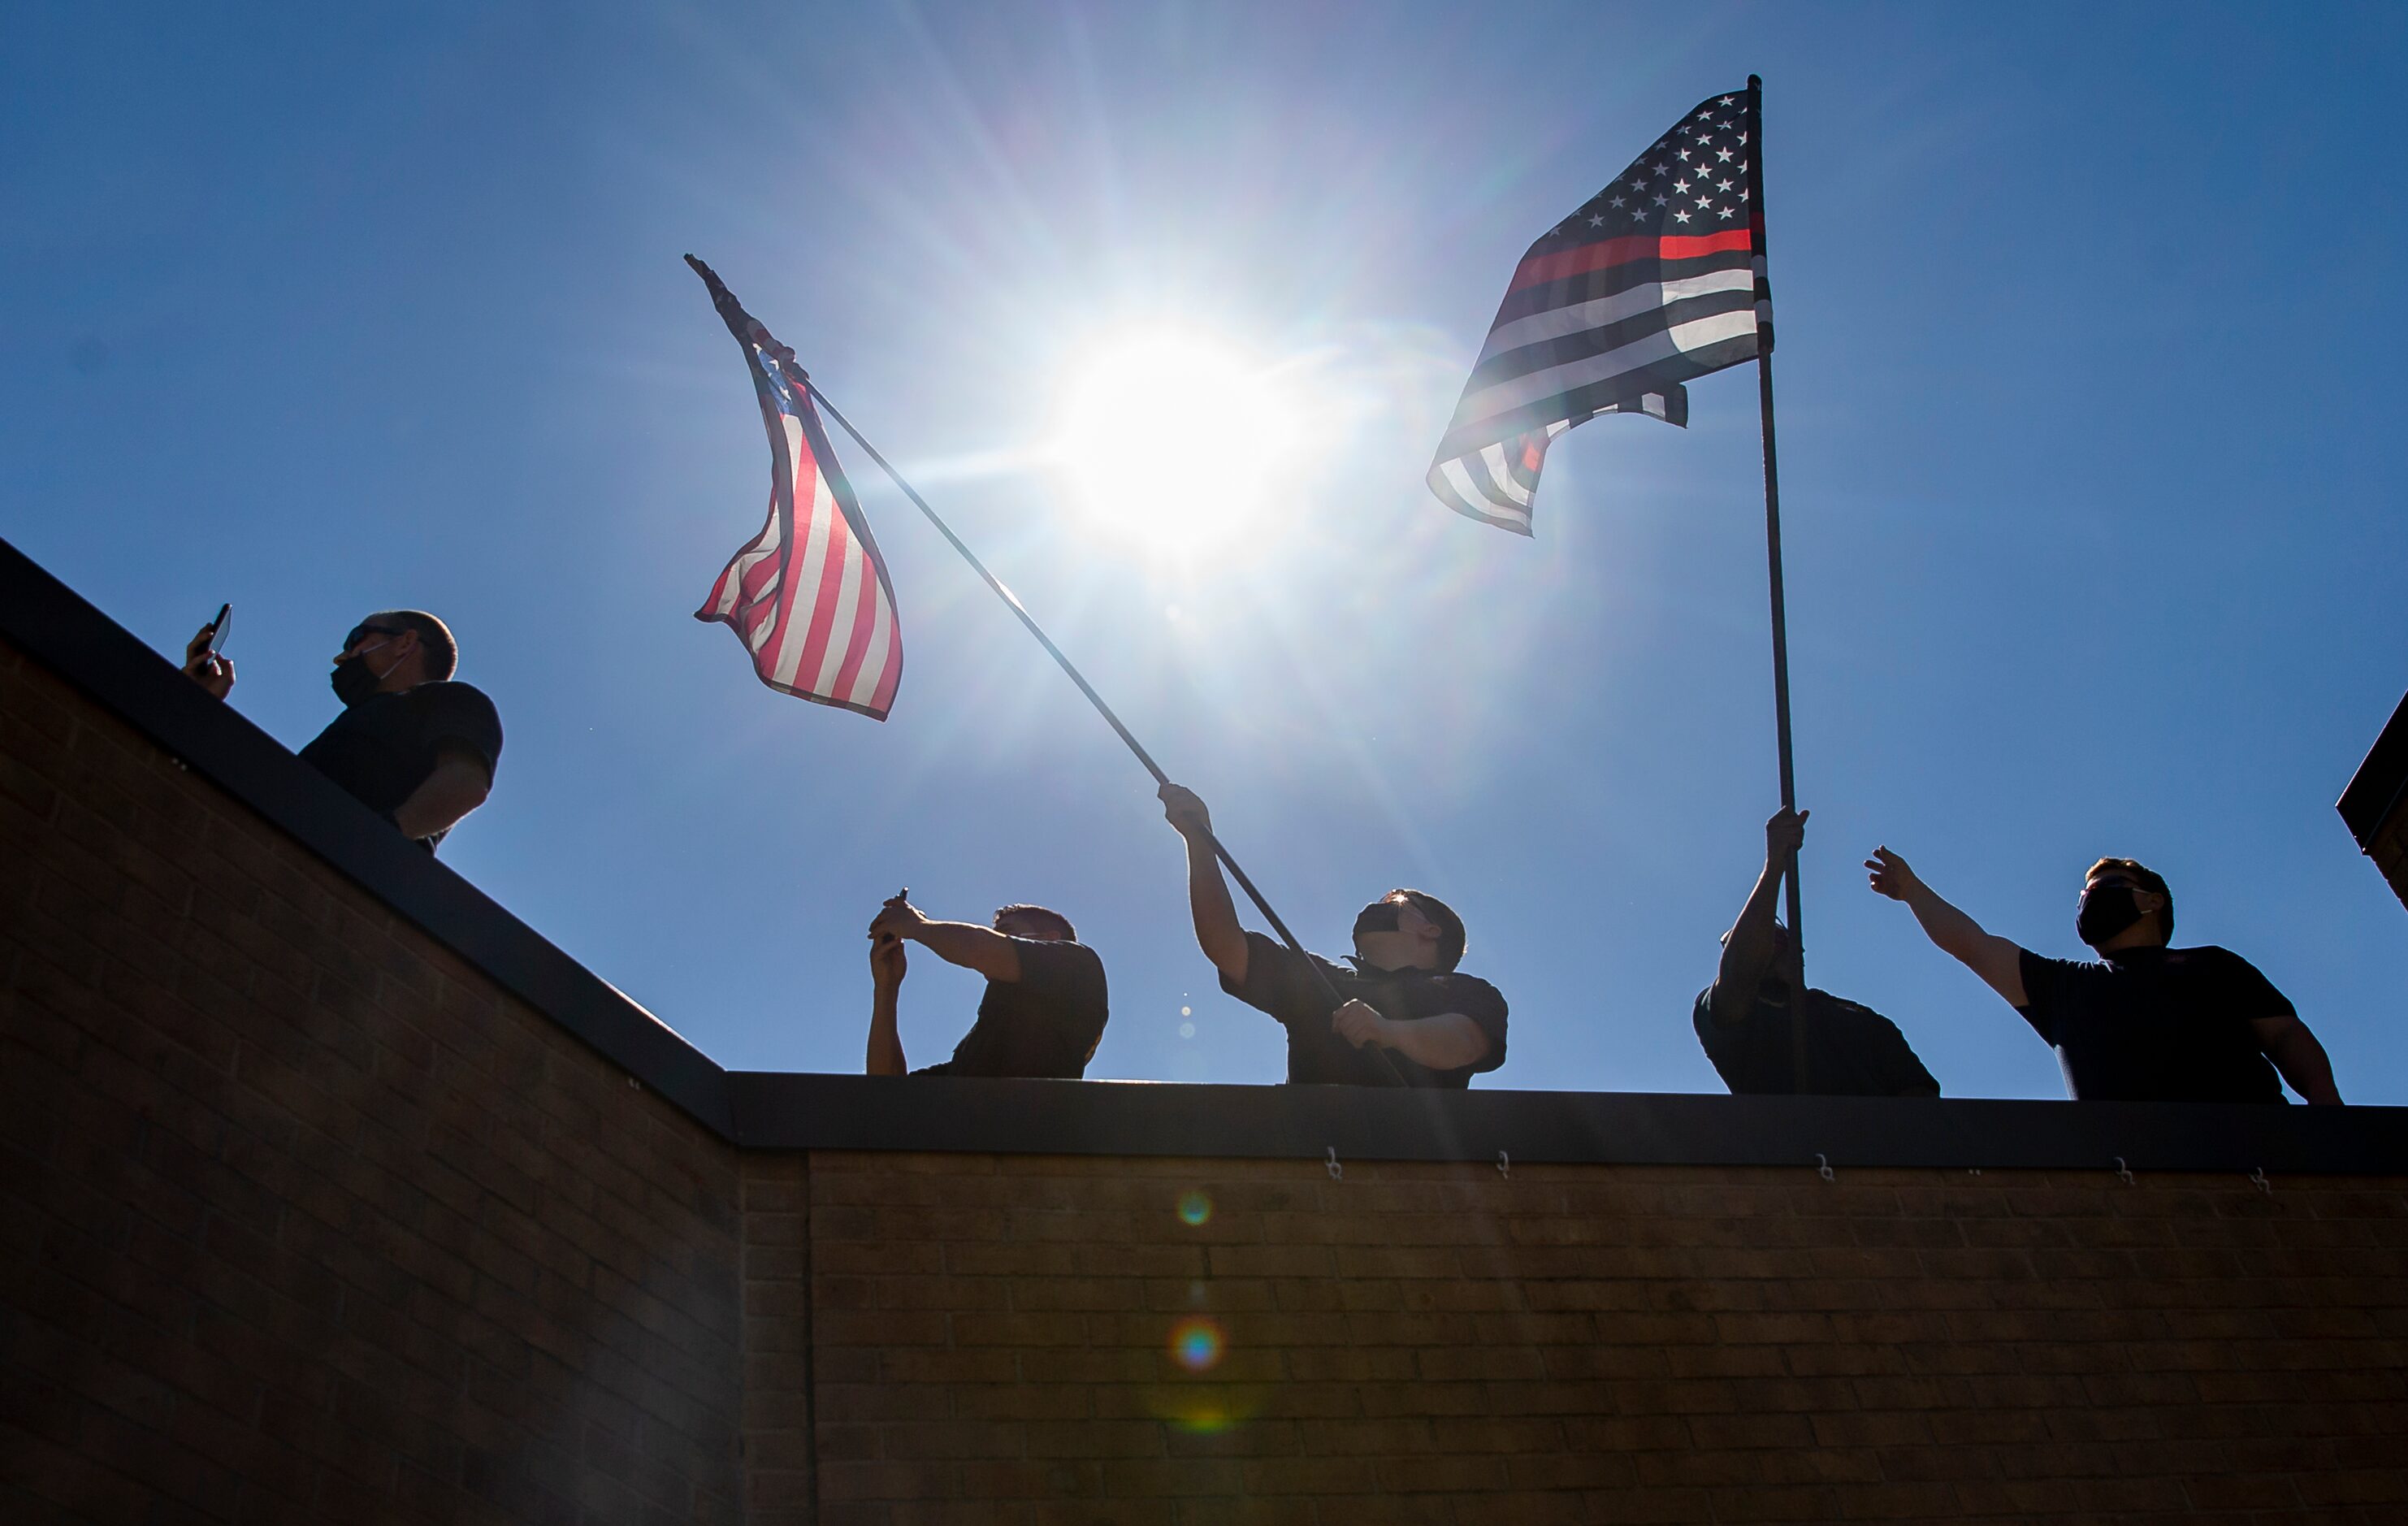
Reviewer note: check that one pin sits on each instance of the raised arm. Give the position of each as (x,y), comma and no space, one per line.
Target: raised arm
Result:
(2298,1056)
(1997,961)
(887,965)
(966,944)
(1217,930)
(1747,948)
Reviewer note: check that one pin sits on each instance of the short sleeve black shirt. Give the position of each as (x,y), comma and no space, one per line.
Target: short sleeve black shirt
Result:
(1851,1049)
(2156,1024)
(1044,1024)
(1279,981)
(384,747)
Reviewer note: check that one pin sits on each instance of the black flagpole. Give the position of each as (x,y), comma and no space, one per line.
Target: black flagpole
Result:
(1772,557)
(1096,700)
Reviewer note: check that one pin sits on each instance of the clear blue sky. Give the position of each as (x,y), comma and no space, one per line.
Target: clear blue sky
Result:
(2089,322)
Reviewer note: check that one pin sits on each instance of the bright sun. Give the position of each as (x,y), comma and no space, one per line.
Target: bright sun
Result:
(1175,442)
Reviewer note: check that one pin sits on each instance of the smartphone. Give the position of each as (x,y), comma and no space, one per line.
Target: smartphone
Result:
(218,628)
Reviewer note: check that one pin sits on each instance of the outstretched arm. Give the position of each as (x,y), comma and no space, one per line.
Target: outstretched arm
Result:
(966,944)
(1997,961)
(887,968)
(1217,930)
(2299,1057)
(1747,948)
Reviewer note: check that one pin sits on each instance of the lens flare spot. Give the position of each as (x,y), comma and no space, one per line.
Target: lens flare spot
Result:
(1195,1208)
(1187,1031)
(1197,1344)
(1187,1012)
(1178,442)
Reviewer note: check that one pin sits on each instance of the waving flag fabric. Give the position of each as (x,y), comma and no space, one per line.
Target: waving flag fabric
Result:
(809,596)
(1656,279)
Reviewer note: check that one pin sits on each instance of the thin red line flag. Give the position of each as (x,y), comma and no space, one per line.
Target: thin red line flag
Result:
(1657,280)
(809,596)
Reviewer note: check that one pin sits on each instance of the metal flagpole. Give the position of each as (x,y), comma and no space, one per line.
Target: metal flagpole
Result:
(1772,557)
(1096,700)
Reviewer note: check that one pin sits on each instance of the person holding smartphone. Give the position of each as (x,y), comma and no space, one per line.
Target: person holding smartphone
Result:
(413,745)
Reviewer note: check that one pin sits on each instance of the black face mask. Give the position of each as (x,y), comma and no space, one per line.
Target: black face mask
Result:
(353,679)
(2106,911)
(1380,916)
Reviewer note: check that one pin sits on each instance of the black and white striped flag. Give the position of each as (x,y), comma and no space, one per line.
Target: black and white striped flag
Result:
(1656,279)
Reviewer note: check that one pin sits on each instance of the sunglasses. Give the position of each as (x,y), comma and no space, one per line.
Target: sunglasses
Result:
(360,632)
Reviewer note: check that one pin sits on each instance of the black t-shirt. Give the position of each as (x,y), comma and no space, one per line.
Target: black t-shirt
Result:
(1279,981)
(2156,1024)
(383,748)
(1045,1024)
(1851,1049)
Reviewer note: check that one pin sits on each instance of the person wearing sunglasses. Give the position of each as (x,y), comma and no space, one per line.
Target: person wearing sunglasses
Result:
(415,746)
(2143,1022)
(1405,1013)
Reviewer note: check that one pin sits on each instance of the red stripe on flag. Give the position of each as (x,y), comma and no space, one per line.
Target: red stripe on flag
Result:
(864,617)
(824,597)
(1566,263)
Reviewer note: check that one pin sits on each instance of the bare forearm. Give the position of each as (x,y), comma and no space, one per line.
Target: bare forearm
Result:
(972,947)
(2302,1059)
(885,1044)
(1953,930)
(1748,950)
(1447,1042)
(1998,961)
(1217,930)
(454,789)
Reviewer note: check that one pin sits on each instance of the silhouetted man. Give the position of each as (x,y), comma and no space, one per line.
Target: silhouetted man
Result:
(1045,1005)
(2144,1022)
(414,746)
(1745,1018)
(1435,1027)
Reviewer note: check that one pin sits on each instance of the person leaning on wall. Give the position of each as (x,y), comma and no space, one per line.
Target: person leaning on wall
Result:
(413,744)
(2143,1022)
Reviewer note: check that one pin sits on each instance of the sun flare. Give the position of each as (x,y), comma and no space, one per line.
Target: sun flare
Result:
(1173,441)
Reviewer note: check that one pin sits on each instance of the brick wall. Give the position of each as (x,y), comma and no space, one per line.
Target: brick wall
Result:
(1157,1341)
(302,1217)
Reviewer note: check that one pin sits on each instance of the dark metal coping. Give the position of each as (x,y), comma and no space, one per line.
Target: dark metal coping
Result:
(48,621)
(2380,781)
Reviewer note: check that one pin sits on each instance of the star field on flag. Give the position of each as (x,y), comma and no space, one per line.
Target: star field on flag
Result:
(1658,278)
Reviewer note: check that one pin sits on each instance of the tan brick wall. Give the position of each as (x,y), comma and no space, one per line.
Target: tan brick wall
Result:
(1589,1342)
(303,1217)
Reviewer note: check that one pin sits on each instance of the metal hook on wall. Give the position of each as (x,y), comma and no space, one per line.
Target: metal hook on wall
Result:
(1336,1172)
(2125,1172)
(1822,1167)
(2259,1178)
(1504,1165)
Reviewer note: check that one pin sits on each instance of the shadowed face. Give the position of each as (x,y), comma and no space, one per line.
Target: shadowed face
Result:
(1031,925)
(1392,933)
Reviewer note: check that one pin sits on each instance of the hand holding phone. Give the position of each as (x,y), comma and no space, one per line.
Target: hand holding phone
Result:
(204,661)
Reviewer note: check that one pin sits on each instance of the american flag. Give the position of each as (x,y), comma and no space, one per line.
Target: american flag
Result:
(1656,279)
(809,596)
